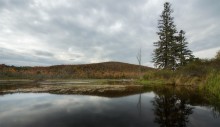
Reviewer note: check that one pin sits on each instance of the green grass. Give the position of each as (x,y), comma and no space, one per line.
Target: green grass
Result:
(158,74)
(202,74)
(151,82)
(212,84)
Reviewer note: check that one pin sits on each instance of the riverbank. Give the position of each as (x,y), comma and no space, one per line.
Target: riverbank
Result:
(201,75)
(107,87)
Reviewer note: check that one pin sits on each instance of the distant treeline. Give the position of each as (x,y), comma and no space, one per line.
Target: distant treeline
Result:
(98,70)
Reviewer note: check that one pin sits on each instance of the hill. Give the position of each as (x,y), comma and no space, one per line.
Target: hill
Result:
(95,70)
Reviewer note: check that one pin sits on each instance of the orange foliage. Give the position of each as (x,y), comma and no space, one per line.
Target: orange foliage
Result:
(97,70)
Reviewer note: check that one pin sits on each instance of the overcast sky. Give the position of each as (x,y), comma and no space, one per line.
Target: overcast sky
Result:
(50,32)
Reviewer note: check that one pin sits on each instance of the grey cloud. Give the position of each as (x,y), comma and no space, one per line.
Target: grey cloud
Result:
(84,31)
(11,57)
(199,18)
(43,53)
(10,4)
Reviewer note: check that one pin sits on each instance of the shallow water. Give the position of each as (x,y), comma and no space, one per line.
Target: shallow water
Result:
(140,110)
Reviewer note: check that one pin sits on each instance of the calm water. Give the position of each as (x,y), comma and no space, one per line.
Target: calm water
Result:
(141,110)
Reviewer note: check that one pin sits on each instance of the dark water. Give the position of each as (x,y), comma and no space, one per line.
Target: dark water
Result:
(141,110)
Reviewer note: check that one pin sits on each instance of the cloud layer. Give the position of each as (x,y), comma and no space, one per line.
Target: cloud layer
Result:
(39,32)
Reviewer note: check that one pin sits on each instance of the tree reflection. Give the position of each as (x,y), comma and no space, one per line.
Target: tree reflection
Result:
(171,111)
(139,105)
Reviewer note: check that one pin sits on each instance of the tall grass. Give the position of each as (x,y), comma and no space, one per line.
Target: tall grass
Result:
(203,73)
(212,84)
(158,74)
(158,77)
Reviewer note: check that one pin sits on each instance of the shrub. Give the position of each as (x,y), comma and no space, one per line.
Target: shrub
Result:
(212,84)
(159,74)
(194,69)
(217,55)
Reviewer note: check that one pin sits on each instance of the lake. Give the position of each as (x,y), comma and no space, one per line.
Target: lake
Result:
(151,108)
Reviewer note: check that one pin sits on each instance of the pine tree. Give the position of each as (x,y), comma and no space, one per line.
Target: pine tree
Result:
(165,54)
(217,55)
(184,54)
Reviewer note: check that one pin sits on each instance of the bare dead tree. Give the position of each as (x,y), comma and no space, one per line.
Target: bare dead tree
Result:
(139,56)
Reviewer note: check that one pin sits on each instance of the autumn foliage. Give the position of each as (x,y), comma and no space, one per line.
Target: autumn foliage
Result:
(97,70)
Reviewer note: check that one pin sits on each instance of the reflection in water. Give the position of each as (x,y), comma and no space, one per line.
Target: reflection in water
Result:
(215,112)
(45,110)
(171,111)
(139,104)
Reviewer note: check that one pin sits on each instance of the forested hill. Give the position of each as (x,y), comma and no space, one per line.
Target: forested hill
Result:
(95,70)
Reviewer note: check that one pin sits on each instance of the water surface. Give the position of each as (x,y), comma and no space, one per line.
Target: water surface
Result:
(141,110)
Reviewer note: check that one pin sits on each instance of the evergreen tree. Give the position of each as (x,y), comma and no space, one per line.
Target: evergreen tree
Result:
(165,54)
(171,49)
(218,55)
(184,54)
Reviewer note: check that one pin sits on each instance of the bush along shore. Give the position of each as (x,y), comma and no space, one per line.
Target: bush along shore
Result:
(201,75)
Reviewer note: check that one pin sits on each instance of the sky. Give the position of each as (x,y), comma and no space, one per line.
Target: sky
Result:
(52,32)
